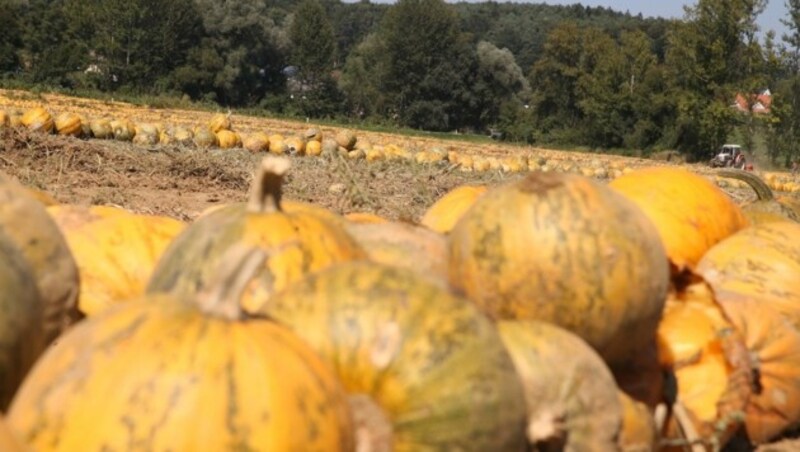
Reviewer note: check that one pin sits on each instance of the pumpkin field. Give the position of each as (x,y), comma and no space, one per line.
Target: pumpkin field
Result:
(194,280)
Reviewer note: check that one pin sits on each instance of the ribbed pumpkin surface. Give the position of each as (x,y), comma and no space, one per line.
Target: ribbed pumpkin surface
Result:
(22,334)
(690,212)
(568,250)
(8,441)
(761,263)
(435,366)
(167,373)
(299,238)
(571,402)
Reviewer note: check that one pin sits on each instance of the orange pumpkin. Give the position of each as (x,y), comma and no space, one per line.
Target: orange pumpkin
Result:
(760,263)
(220,122)
(773,344)
(638,432)
(365,217)
(425,370)
(42,196)
(572,404)
(123,129)
(314,148)
(689,211)
(146,134)
(709,360)
(228,139)
(568,250)
(116,256)
(139,374)
(204,138)
(442,215)
(68,124)
(101,129)
(299,238)
(69,217)
(22,333)
(38,119)
(256,142)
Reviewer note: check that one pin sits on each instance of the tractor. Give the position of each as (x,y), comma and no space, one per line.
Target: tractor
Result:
(730,155)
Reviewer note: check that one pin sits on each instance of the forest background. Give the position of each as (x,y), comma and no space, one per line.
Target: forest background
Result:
(563,76)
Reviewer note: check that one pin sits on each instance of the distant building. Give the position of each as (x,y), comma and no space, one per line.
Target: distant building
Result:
(757,104)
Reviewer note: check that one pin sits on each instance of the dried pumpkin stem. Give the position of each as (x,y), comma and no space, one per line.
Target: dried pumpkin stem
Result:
(373,429)
(222,297)
(267,187)
(763,192)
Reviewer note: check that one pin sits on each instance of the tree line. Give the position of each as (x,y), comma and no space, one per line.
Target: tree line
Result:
(565,75)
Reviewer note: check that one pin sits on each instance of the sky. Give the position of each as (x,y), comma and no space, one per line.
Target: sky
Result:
(769,19)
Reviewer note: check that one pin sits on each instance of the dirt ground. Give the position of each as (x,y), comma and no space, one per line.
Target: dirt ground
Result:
(181,182)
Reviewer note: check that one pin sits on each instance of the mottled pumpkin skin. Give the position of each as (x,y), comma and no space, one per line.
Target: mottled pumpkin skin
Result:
(435,366)
(690,212)
(568,250)
(116,256)
(22,334)
(572,403)
(403,245)
(709,360)
(27,223)
(639,432)
(761,263)
(774,347)
(38,119)
(443,214)
(298,241)
(158,374)
(364,217)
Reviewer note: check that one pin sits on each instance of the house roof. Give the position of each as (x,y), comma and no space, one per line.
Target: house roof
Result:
(760,103)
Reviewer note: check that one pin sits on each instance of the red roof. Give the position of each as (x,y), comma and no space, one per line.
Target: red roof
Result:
(758,103)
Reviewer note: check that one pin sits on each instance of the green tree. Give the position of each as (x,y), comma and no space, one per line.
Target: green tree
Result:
(499,80)
(792,37)
(10,41)
(428,64)
(362,76)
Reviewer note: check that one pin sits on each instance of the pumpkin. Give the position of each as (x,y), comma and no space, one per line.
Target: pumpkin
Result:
(86,129)
(638,432)
(346,139)
(256,142)
(568,250)
(313,134)
(101,128)
(773,344)
(298,237)
(146,134)
(38,119)
(220,122)
(179,135)
(116,256)
(709,360)
(424,369)
(8,441)
(227,139)
(123,129)
(204,138)
(442,215)
(761,263)
(276,145)
(27,223)
(572,404)
(68,124)
(365,217)
(295,145)
(257,385)
(4,119)
(766,207)
(22,333)
(314,148)
(403,245)
(689,211)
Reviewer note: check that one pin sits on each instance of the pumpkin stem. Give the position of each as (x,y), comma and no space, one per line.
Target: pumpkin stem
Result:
(548,431)
(373,429)
(763,192)
(222,297)
(266,190)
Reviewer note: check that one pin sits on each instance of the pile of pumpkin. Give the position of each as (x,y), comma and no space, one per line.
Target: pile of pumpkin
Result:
(553,312)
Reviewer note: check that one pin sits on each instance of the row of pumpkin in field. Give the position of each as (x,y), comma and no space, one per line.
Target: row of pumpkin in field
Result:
(218,132)
(554,311)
